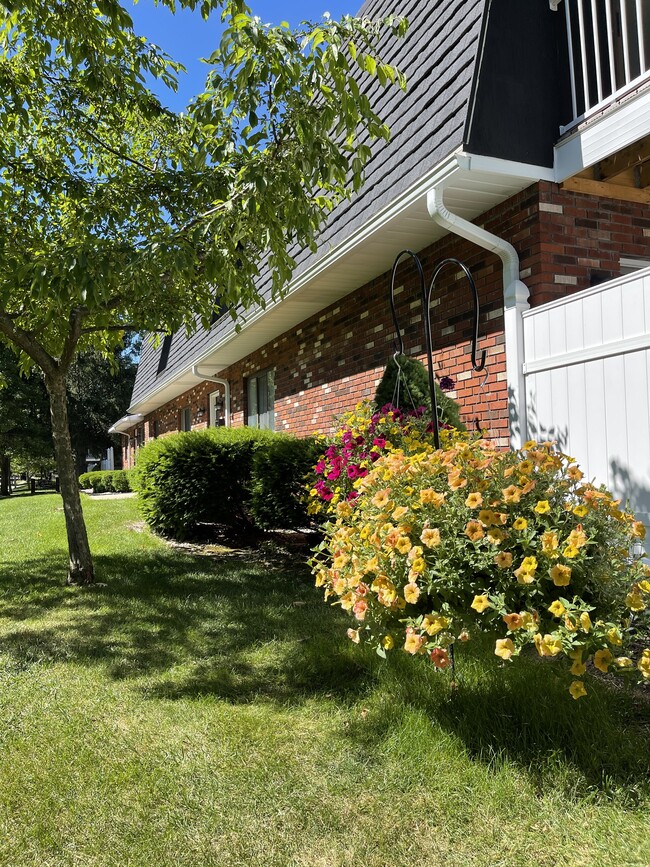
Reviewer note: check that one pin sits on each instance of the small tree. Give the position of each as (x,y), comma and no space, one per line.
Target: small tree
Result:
(116,213)
(405,384)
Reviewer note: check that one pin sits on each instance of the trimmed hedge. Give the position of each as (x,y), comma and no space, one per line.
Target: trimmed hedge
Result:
(107,481)
(280,468)
(186,479)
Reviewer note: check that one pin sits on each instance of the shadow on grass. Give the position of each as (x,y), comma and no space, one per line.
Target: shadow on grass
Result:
(522,713)
(245,628)
(187,626)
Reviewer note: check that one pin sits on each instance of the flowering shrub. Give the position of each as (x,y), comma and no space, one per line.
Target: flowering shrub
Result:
(435,546)
(363,435)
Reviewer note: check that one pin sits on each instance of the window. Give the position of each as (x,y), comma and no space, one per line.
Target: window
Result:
(164,353)
(260,395)
(186,418)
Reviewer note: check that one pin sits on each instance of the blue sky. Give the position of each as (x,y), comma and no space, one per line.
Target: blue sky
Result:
(187,37)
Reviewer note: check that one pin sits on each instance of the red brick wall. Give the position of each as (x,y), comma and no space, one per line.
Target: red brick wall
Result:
(566,242)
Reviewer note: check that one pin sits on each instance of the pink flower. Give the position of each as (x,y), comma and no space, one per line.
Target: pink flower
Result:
(380,442)
(353,471)
(360,609)
(440,658)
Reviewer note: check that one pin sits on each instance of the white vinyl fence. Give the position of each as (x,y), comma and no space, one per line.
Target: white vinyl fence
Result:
(587,372)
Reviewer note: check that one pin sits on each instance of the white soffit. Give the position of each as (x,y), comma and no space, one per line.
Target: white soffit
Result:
(619,127)
(473,185)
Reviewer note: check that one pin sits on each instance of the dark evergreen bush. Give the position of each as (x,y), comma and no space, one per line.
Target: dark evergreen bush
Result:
(187,479)
(280,467)
(414,391)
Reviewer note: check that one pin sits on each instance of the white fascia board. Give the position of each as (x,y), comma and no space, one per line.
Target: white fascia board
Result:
(602,138)
(510,168)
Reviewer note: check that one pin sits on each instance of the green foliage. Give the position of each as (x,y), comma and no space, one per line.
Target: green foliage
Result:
(107,481)
(280,467)
(414,390)
(187,479)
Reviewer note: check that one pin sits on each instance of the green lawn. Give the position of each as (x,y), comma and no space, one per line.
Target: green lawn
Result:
(210,711)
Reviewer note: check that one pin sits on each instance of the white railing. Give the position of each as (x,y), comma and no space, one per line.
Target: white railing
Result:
(608,45)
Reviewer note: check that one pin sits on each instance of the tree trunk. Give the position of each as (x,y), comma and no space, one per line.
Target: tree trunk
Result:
(5,475)
(81,564)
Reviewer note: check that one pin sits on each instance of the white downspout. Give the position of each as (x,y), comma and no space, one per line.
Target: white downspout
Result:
(219,381)
(515,301)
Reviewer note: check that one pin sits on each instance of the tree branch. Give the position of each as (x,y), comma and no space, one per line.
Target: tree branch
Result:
(25,341)
(72,338)
(129,326)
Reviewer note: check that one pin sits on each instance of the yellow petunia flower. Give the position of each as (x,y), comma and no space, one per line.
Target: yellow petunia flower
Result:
(542,507)
(414,643)
(381,498)
(411,593)
(585,622)
(474,500)
(430,537)
(399,513)
(624,662)
(580,511)
(602,660)
(614,637)
(560,575)
(430,497)
(388,642)
(519,524)
(644,586)
(474,530)
(511,494)
(644,664)
(638,530)
(434,623)
(496,536)
(487,517)
(578,668)
(577,689)
(403,545)
(550,542)
(634,601)
(503,560)
(513,621)
(570,552)
(480,603)
(504,648)
(556,608)
(547,645)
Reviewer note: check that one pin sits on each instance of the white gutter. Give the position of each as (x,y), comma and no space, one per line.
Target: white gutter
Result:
(515,301)
(127,421)
(226,387)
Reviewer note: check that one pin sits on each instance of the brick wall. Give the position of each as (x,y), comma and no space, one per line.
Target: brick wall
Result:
(566,242)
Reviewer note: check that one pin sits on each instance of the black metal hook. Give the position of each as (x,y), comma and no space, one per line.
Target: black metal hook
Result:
(425,295)
(477,310)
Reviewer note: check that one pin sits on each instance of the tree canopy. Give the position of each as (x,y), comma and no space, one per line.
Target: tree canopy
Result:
(116,213)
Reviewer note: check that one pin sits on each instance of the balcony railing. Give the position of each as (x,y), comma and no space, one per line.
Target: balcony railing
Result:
(609,51)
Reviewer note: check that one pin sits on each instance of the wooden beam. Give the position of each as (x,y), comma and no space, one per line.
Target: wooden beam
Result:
(627,158)
(608,191)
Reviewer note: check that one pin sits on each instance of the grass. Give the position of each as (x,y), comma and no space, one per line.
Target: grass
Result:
(209,711)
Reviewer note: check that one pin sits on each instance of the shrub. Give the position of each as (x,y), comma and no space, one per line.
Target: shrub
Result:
(439,545)
(120,482)
(187,479)
(414,391)
(107,481)
(280,467)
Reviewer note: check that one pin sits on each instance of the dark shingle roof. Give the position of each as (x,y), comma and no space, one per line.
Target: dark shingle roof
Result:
(438,57)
